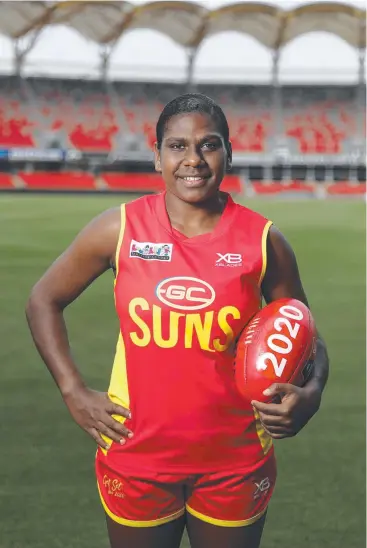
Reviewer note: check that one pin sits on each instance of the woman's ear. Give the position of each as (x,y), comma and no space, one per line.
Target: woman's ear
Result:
(157,158)
(229,156)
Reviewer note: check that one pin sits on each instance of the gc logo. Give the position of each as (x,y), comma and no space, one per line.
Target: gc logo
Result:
(185,293)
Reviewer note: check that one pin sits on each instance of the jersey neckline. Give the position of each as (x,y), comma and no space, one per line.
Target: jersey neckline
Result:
(225,221)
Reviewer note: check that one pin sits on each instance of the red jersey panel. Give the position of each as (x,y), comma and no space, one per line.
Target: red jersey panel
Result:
(181,302)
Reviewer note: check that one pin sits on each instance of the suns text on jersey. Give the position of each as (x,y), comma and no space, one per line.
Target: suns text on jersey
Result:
(193,326)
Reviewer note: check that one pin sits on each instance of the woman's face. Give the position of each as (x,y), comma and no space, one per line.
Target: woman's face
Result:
(193,158)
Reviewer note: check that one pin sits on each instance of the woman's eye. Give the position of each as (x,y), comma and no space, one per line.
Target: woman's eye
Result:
(210,146)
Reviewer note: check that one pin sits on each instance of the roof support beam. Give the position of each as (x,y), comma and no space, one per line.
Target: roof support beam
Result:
(277,105)
(105,51)
(360,100)
(22,46)
(191,56)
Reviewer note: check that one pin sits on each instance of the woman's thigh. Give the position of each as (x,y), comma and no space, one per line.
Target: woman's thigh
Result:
(204,535)
(168,535)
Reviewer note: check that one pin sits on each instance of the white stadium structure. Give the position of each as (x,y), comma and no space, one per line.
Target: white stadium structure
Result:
(91,109)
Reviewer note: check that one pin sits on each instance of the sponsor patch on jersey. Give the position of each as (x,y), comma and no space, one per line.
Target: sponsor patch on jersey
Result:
(229,260)
(150,251)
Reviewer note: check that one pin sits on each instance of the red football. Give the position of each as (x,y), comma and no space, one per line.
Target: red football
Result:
(277,345)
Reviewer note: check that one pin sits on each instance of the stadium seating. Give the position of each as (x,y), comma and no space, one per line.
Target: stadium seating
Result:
(273,187)
(300,188)
(15,126)
(94,118)
(232,184)
(58,181)
(75,181)
(133,182)
(152,182)
(346,189)
(6,182)
(319,130)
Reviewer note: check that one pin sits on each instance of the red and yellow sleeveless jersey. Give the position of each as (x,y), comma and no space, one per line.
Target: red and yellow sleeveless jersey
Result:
(181,302)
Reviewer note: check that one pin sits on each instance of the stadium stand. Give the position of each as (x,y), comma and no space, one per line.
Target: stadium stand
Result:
(79,181)
(133,181)
(6,182)
(58,181)
(81,115)
(143,182)
(274,188)
(65,134)
(346,189)
(150,182)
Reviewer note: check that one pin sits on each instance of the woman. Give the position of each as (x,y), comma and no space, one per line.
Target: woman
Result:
(177,444)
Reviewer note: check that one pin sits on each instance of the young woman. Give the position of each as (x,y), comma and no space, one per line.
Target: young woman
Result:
(177,444)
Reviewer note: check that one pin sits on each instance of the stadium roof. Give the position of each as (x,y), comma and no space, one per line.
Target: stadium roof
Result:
(188,23)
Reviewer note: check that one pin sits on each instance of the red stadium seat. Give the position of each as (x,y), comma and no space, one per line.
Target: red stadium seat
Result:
(149,132)
(298,187)
(284,187)
(58,181)
(15,128)
(134,182)
(99,139)
(232,184)
(264,188)
(346,189)
(249,133)
(320,128)
(6,181)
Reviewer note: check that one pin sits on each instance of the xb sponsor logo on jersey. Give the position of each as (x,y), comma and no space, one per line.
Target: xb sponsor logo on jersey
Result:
(150,251)
(262,488)
(231,260)
(185,318)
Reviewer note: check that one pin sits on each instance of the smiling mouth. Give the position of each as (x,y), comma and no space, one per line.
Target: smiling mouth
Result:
(194,181)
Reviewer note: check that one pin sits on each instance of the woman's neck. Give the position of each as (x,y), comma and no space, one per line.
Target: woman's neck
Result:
(194,219)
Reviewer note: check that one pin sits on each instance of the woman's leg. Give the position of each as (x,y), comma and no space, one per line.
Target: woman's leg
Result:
(168,535)
(205,535)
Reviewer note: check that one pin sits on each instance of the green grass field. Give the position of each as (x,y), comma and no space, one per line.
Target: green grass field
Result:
(48,495)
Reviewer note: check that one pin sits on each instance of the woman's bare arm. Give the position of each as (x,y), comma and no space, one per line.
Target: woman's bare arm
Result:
(298,405)
(282,279)
(91,254)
